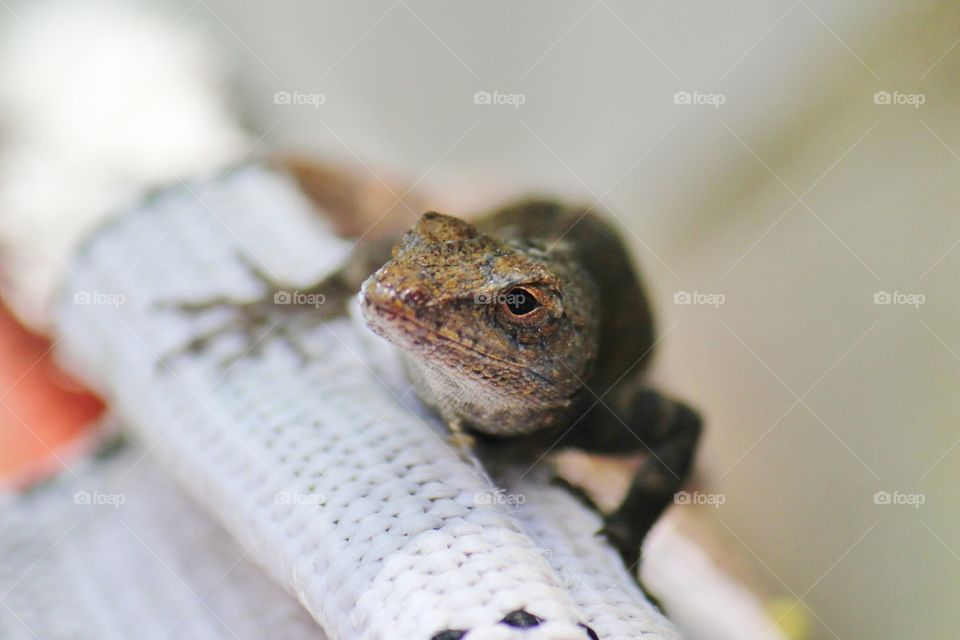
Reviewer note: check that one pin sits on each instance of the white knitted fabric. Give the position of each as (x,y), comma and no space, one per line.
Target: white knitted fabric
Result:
(119,553)
(347,497)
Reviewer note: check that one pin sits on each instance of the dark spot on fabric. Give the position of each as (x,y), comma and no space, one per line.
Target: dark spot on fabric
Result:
(590,632)
(521,619)
(449,634)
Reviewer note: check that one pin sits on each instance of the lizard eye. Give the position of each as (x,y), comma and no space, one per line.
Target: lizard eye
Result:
(520,301)
(529,310)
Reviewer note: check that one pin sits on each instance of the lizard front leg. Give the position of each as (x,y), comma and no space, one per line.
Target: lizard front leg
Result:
(281,306)
(640,419)
(278,307)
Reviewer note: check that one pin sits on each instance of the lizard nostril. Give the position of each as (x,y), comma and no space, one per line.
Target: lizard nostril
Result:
(521,619)
(590,632)
(417,297)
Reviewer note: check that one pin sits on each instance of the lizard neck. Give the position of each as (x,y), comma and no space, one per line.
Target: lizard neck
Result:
(472,404)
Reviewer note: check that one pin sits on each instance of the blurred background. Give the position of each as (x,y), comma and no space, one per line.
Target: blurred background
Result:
(786,171)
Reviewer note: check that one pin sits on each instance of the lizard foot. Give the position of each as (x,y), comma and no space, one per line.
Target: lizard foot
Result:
(270,315)
(518,619)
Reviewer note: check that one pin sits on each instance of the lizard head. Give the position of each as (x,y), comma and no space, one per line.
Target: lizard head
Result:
(498,332)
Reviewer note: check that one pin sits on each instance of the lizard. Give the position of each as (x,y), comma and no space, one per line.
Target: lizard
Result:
(526,331)
(531,330)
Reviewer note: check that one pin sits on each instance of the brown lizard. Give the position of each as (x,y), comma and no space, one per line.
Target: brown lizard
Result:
(529,331)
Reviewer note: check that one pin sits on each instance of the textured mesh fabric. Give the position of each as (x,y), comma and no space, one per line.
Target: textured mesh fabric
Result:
(353,502)
(117,552)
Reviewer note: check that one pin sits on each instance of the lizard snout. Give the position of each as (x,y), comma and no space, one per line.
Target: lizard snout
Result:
(385,296)
(376,293)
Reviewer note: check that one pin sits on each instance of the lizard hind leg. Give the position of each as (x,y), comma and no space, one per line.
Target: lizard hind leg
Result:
(640,419)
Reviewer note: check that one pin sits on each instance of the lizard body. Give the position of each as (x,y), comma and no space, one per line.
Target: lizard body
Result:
(532,330)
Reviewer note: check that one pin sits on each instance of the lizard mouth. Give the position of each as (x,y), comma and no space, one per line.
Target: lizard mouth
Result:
(389,323)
